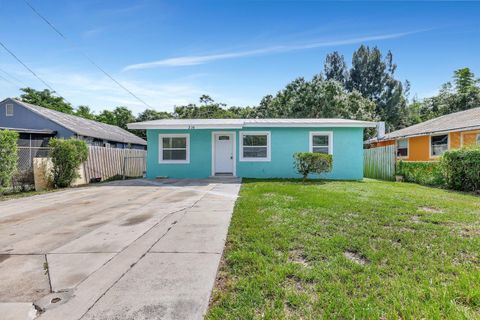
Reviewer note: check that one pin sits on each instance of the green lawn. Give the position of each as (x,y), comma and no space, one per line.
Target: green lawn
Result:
(18,195)
(344,250)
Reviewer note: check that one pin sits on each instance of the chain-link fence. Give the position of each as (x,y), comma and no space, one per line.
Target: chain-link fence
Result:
(23,178)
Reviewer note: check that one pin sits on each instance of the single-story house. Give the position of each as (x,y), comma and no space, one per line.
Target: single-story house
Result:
(36,125)
(428,140)
(255,148)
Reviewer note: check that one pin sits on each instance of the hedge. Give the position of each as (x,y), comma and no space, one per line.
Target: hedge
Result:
(426,173)
(8,156)
(312,162)
(66,155)
(461,168)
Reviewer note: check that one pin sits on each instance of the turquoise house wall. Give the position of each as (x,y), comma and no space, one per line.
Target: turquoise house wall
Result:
(347,154)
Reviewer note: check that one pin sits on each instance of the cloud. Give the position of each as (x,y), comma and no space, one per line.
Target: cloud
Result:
(99,92)
(201,59)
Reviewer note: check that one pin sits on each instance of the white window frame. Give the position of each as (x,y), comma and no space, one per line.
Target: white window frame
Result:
(173,135)
(256,133)
(9,105)
(430,144)
(408,148)
(321,133)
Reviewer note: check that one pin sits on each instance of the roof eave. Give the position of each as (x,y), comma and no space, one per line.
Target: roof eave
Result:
(145,126)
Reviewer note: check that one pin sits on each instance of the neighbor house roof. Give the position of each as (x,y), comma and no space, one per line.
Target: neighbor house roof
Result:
(245,123)
(85,127)
(458,121)
(35,131)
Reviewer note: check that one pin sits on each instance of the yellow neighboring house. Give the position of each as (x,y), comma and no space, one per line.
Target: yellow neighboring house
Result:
(428,140)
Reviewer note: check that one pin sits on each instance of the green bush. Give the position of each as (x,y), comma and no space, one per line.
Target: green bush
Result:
(8,156)
(461,168)
(426,173)
(66,155)
(312,162)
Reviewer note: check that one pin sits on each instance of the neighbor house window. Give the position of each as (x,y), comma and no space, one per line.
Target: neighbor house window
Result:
(478,138)
(321,142)
(255,146)
(438,145)
(174,148)
(402,148)
(9,110)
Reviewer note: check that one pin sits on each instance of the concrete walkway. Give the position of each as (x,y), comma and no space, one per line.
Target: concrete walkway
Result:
(134,249)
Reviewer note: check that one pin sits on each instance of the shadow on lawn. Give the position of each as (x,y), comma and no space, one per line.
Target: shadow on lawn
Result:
(298,180)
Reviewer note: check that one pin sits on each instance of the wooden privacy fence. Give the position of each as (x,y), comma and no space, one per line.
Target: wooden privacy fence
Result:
(105,163)
(379,163)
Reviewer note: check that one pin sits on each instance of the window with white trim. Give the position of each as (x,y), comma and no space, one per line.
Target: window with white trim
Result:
(255,146)
(321,142)
(438,145)
(402,148)
(9,110)
(174,148)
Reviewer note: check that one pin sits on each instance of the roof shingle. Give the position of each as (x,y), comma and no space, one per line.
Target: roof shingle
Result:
(468,119)
(85,127)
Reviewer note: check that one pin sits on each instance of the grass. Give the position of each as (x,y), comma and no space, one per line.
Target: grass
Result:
(24,194)
(350,250)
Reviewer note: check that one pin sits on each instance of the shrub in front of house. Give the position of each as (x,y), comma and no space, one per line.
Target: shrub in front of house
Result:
(66,155)
(8,156)
(461,168)
(426,173)
(312,162)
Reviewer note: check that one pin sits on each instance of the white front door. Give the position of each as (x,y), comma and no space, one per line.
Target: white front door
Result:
(223,153)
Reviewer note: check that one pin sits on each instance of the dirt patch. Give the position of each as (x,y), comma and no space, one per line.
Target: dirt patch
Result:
(136,220)
(4,257)
(298,257)
(355,257)
(431,210)
(416,219)
(465,233)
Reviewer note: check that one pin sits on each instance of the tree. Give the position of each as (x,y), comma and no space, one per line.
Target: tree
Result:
(123,116)
(335,68)
(106,116)
(120,117)
(316,99)
(208,110)
(45,99)
(150,114)
(85,112)
(374,78)
(464,94)
(465,81)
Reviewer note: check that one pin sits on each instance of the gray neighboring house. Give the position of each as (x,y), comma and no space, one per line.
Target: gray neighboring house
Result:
(37,125)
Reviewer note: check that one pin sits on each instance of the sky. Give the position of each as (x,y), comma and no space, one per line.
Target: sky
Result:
(169,53)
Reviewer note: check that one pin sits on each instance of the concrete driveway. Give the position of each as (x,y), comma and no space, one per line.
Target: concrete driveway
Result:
(134,249)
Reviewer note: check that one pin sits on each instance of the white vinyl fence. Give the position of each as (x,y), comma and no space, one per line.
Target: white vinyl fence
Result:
(105,163)
(379,163)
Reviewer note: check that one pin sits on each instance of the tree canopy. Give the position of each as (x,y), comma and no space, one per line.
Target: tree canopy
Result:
(365,90)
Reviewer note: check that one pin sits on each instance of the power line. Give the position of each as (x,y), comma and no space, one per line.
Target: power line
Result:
(13,77)
(7,80)
(85,55)
(28,68)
